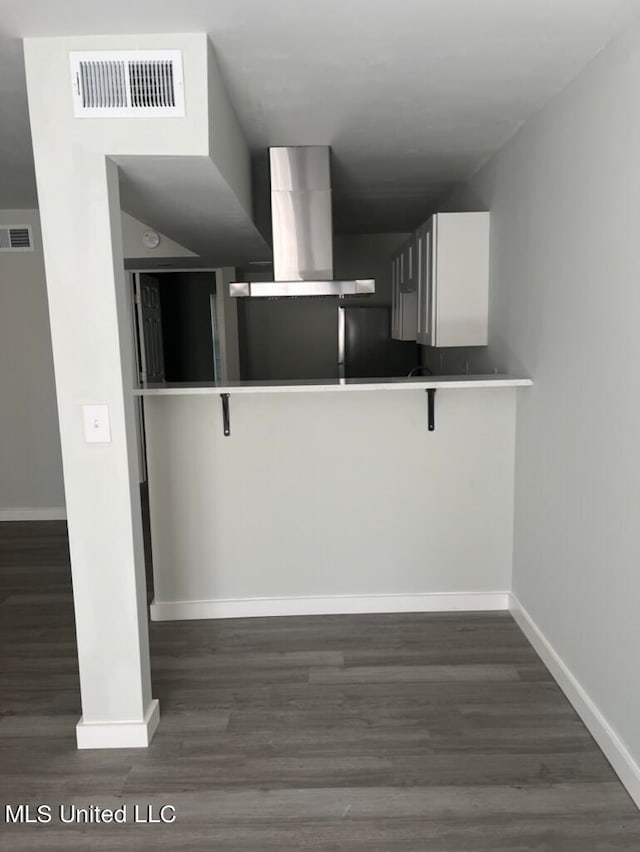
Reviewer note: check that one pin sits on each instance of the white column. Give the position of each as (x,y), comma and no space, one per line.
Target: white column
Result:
(92,346)
(78,191)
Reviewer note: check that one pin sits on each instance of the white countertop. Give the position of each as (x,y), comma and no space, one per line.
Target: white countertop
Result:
(331,385)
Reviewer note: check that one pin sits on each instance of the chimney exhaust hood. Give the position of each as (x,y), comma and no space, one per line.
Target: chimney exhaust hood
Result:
(302,230)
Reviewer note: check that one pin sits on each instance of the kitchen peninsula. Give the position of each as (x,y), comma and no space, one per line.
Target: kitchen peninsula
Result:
(331,496)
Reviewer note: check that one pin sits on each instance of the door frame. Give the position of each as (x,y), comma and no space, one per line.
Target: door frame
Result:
(138,346)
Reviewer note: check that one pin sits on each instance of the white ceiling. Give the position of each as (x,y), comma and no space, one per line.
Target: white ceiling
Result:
(412,95)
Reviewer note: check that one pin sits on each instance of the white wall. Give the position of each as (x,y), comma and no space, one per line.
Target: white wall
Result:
(227,146)
(30,465)
(325,494)
(132,233)
(565,201)
(31,484)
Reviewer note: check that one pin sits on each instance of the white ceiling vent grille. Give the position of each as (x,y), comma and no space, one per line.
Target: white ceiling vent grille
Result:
(16,238)
(127,83)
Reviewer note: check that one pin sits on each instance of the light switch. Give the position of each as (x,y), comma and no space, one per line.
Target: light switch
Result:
(96,424)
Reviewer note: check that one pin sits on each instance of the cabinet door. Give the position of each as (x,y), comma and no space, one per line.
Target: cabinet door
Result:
(409,305)
(425,238)
(409,281)
(462,279)
(395,297)
(403,304)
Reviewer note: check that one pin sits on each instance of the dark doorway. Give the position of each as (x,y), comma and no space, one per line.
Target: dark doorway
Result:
(188,323)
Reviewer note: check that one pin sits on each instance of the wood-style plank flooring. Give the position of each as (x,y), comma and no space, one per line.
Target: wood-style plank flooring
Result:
(437,733)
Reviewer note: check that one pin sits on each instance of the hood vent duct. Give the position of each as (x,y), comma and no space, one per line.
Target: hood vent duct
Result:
(302,229)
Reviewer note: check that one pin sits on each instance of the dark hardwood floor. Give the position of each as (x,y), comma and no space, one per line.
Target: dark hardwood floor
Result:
(360,733)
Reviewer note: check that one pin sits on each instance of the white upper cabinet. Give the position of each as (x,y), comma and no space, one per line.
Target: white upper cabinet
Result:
(404,280)
(451,270)
(424,320)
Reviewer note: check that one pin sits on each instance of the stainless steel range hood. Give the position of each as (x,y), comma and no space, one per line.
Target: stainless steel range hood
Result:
(302,231)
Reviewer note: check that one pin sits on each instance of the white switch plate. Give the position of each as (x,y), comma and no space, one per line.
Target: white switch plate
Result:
(96,424)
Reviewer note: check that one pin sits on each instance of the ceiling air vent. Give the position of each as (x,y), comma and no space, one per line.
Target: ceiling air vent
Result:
(16,238)
(127,83)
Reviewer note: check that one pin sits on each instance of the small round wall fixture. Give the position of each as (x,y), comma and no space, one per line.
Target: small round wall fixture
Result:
(151,239)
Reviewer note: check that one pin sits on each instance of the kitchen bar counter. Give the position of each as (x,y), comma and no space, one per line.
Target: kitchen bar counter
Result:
(264,502)
(330,385)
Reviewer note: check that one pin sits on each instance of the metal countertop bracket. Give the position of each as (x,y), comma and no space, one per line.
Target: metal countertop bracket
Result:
(431,409)
(226,422)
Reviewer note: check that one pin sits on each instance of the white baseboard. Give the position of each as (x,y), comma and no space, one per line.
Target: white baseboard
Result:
(614,749)
(119,734)
(51,514)
(328,605)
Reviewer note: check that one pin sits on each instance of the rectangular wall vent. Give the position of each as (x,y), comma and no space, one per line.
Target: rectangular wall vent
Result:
(16,238)
(127,83)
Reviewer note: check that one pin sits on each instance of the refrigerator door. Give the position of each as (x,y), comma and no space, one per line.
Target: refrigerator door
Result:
(368,350)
